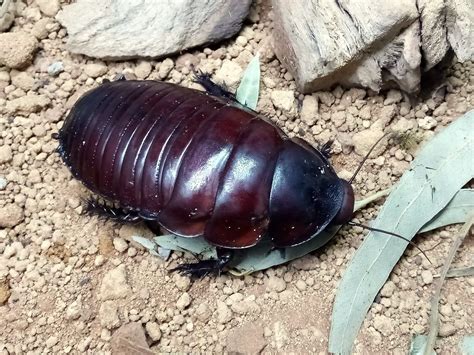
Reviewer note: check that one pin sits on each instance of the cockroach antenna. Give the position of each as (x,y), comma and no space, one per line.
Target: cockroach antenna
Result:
(366,157)
(376,229)
(392,234)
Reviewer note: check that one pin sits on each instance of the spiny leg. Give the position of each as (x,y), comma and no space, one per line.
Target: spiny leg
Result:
(206,267)
(325,149)
(97,208)
(204,79)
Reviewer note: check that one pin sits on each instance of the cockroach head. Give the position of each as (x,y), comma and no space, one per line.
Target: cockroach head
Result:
(347,207)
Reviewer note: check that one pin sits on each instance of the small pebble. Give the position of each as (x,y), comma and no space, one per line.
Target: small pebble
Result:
(427,277)
(55,68)
(120,244)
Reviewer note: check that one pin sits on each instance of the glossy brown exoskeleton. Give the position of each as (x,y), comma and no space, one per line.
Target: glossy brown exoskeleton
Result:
(201,165)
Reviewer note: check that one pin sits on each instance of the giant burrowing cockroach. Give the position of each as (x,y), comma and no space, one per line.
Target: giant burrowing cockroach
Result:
(200,164)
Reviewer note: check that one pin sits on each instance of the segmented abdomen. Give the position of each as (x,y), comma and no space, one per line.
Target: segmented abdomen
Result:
(197,164)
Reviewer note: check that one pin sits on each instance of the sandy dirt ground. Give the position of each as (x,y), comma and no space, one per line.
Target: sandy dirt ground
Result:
(69,282)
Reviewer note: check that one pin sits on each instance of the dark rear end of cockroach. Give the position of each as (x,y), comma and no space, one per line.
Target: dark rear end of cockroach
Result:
(197,164)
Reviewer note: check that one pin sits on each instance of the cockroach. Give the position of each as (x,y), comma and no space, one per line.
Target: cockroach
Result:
(200,164)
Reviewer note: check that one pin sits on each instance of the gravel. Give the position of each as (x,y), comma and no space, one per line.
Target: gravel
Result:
(71,283)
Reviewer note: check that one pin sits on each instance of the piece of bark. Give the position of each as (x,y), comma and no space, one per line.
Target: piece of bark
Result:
(434,42)
(460,26)
(320,42)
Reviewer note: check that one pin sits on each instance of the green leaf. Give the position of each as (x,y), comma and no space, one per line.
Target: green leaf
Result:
(262,256)
(196,246)
(466,346)
(436,175)
(249,88)
(461,272)
(418,345)
(457,211)
(147,243)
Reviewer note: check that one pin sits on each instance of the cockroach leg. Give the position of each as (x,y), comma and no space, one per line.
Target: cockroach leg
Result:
(214,89)
(120,77)
(325,149)
(97,208)
(206,267)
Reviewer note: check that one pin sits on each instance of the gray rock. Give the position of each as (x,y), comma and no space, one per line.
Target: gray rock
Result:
(320,42)
(460,26)
(121,29)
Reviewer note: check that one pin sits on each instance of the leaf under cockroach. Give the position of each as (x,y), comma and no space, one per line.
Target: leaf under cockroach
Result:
(437,173)
(249,88)
(196,246)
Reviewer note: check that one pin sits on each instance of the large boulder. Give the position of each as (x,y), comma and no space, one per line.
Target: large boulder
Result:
(123,29)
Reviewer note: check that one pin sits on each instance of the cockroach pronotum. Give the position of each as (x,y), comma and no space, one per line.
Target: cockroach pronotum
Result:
(200,164)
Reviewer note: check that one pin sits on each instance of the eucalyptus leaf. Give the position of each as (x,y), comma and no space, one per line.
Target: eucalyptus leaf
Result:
(457,211)
(197,246)
(263,256)
(145,242)
(418,345)
(152,247)
(461,272)
(249,88)
(438,172)
(466,345)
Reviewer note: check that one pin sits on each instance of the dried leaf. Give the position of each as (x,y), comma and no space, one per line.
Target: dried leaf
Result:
(436,175)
